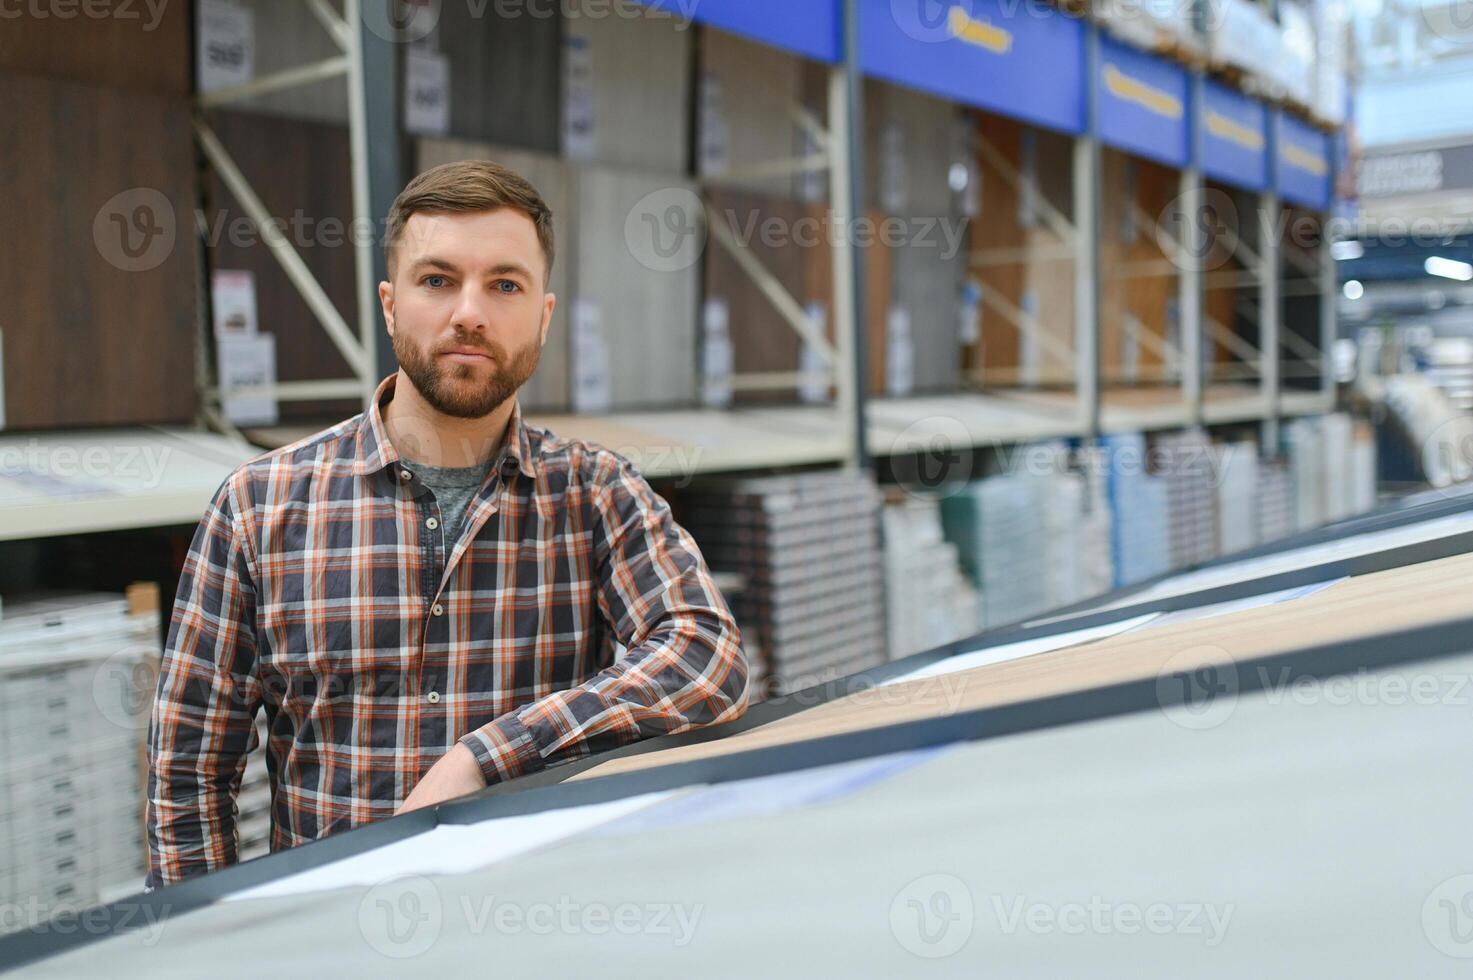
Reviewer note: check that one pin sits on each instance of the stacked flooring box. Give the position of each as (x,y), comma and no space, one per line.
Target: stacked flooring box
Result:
(930,600)
(74,701)
(1304,442)
(807,547)
(1187,460)
(1275,500)
(1140,540)
(1237,490)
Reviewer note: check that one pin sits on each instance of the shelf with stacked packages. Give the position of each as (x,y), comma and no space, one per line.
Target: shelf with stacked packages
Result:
(76,673)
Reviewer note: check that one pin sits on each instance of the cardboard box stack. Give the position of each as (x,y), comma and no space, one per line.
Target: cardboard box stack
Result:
(1139,538)
(75,689)
(930,600)
(807,548)
(1187,460)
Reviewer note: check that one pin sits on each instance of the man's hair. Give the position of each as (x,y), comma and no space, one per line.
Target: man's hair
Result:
(468,187)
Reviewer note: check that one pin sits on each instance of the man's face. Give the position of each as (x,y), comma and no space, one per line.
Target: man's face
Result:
(468,309)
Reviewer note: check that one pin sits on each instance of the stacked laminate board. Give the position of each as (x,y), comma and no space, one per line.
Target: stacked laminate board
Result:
(1139,499)
(808,550)
(930,601)
(1275,500)
(1305,445)
(1237,489)
(74,696)
(1000,525)
(1187,460)
(1078,522)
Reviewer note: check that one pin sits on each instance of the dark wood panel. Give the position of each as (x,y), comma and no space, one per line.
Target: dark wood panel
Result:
(98,330)
(131,46)
(505,74)
(762,339)
(301,172)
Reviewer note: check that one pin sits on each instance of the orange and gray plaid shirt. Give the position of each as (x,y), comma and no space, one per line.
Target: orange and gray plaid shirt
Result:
(318,588)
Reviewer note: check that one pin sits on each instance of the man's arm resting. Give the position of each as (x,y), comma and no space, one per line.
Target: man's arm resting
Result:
(206,699)
(685,666)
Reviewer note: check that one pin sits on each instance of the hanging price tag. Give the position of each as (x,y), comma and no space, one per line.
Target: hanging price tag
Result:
(592,383)
(969,325)
(815,387)
(426,92)
(225,41)
(245,361)
(717,357)
(580,125)
(899,353)
(714,145)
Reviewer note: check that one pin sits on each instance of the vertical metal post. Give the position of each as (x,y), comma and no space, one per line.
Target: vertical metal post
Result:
(1269,314)
(1193,245)
(373,119)
(1087,168)
(846,129)
(1329,328)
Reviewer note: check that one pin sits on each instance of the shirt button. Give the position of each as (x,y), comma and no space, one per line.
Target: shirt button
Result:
(405,475)
(432,523)
(437,609)
(433,697)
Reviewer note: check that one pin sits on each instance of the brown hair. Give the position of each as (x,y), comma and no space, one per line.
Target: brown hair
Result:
(465,188)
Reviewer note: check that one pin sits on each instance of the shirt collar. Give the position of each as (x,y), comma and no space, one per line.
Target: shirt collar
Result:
(376,451)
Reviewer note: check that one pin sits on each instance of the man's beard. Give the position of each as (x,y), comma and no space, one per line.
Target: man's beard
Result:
(443,384)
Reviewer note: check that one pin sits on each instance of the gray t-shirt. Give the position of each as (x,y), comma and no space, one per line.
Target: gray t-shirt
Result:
(453,489)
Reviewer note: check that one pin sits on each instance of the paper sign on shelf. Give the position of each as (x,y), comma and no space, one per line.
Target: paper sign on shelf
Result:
(225,42)
(969,325)
(426,92)
(592,383)
(1030,354)
(714,144)
(894,179)
(717,356)
(233,298)
(1130,354)
(899,353)
(247,360)
(812,392)
(579,115)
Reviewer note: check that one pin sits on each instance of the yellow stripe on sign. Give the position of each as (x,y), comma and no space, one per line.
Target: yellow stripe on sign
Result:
(1153,99)
(1234,132)
(979,32)
(1306,160)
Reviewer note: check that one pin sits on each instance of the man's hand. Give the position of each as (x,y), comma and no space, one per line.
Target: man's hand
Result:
(457,774)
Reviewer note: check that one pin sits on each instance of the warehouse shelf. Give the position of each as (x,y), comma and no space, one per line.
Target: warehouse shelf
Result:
(54,483)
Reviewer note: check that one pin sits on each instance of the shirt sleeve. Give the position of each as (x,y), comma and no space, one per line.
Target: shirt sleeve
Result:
(685,666)
(205,703)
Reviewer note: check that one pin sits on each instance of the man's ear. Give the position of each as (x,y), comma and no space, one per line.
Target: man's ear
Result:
(386,301)
(549,303)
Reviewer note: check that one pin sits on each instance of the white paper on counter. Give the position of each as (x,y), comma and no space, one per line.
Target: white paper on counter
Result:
(453,848)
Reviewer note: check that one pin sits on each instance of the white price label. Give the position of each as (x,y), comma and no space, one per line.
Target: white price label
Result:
(715,140)
(969,327)
(1030,353)
(426,92)
(233,298)
(592,383)
(245,361)
(717,356)
(580,133)
(814,389)
(899,353)
(226,44)
(894,179)
(1028,189)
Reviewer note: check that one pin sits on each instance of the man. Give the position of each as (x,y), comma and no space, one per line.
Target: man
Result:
(424,599)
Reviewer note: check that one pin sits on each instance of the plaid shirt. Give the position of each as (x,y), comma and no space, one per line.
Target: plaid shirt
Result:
(318,587)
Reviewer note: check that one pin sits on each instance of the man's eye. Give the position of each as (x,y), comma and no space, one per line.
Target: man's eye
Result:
(434,282)
(507,286)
